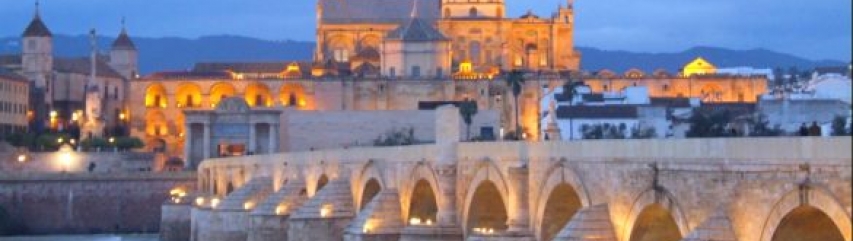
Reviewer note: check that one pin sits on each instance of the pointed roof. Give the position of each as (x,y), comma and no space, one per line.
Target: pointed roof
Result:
(37,28)
(417,30)
(123,41)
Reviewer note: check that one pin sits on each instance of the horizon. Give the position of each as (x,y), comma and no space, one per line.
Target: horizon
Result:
(821,31)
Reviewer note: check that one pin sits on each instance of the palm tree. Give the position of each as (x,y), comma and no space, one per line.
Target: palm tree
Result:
(570,90)
(468,109)
(515,80)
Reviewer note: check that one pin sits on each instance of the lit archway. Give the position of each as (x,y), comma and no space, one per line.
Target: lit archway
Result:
(655,223)
(812,196)
(188,95)
(487,209)
(561,206)
(155,96)
(423,206)
(221,91)
(370,191)
(258,95)
(292,95)
(556,184)
(156,123)
(807,223)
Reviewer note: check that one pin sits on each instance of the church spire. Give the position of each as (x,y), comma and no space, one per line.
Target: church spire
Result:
(37,28)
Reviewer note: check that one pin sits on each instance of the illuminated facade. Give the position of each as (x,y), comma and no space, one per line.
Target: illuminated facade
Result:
(14,92)
(478,32)
(698,80)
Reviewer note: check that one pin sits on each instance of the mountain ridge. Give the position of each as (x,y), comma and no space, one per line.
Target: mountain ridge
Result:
(177,53)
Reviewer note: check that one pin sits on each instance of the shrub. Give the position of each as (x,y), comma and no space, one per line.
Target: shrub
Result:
(95,143)
(128,143)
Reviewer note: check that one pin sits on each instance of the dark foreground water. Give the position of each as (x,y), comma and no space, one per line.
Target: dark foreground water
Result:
(145,237)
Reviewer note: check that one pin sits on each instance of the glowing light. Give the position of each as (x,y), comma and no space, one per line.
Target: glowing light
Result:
(72,141)
(60,140)
(65,158)
(53,114)
(112,139)
(281,209)
(214,202)
(122,116)
(249,205)
(199,201)
(415,221)
(326,210)
(22,158)
(429,222)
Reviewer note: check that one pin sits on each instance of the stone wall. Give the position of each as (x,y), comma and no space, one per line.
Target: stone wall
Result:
(751,183)
(53,162)
(88,203)
(302,130)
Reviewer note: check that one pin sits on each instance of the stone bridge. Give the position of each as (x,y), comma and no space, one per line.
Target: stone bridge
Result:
(745,189)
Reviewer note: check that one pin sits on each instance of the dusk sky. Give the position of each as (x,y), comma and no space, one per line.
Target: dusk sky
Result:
(819,29)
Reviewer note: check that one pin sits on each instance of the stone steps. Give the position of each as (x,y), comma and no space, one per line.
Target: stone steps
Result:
(335,197)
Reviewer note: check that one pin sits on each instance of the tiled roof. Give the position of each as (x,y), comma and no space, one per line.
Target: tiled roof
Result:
(14,59)
(124,42)
(268,67)
(597,112)
(188,75)
(417,30)
(377,11)
(83,66)
(9,75)
(37,29)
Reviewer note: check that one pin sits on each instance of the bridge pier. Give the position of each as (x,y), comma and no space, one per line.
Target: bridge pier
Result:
(325,216)
(270,220)
(229,220)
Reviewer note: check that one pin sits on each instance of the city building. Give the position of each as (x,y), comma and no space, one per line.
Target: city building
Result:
(14,102)
(60,85)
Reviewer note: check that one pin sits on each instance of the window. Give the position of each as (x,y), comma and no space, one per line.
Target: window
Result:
(475,52)
(416,71)
(665,88)
(115,93)
(473,13)
(392,72)
(439,72)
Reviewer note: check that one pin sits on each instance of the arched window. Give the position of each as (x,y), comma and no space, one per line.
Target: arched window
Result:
(473,13)
(475,50)
(447,13)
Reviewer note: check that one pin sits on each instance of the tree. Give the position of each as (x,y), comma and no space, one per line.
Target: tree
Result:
(570,91)
(643,133)
(708,124)
(21,139)
(778,77)
(468,110)
(515,80)
(839,126)
(761,127)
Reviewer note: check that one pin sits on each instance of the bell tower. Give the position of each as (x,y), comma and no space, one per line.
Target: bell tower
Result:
(37,52)
(565,56)
(473,9)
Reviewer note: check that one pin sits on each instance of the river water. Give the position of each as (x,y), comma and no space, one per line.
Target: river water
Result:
(146,237)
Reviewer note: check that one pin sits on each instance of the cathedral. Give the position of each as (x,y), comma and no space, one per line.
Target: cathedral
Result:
(438,38)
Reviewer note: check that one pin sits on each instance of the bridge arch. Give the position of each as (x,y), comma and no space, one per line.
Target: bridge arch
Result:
(815,197)
(422,186)
(652,203)
(368,184)
(491,184)
(561,196)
